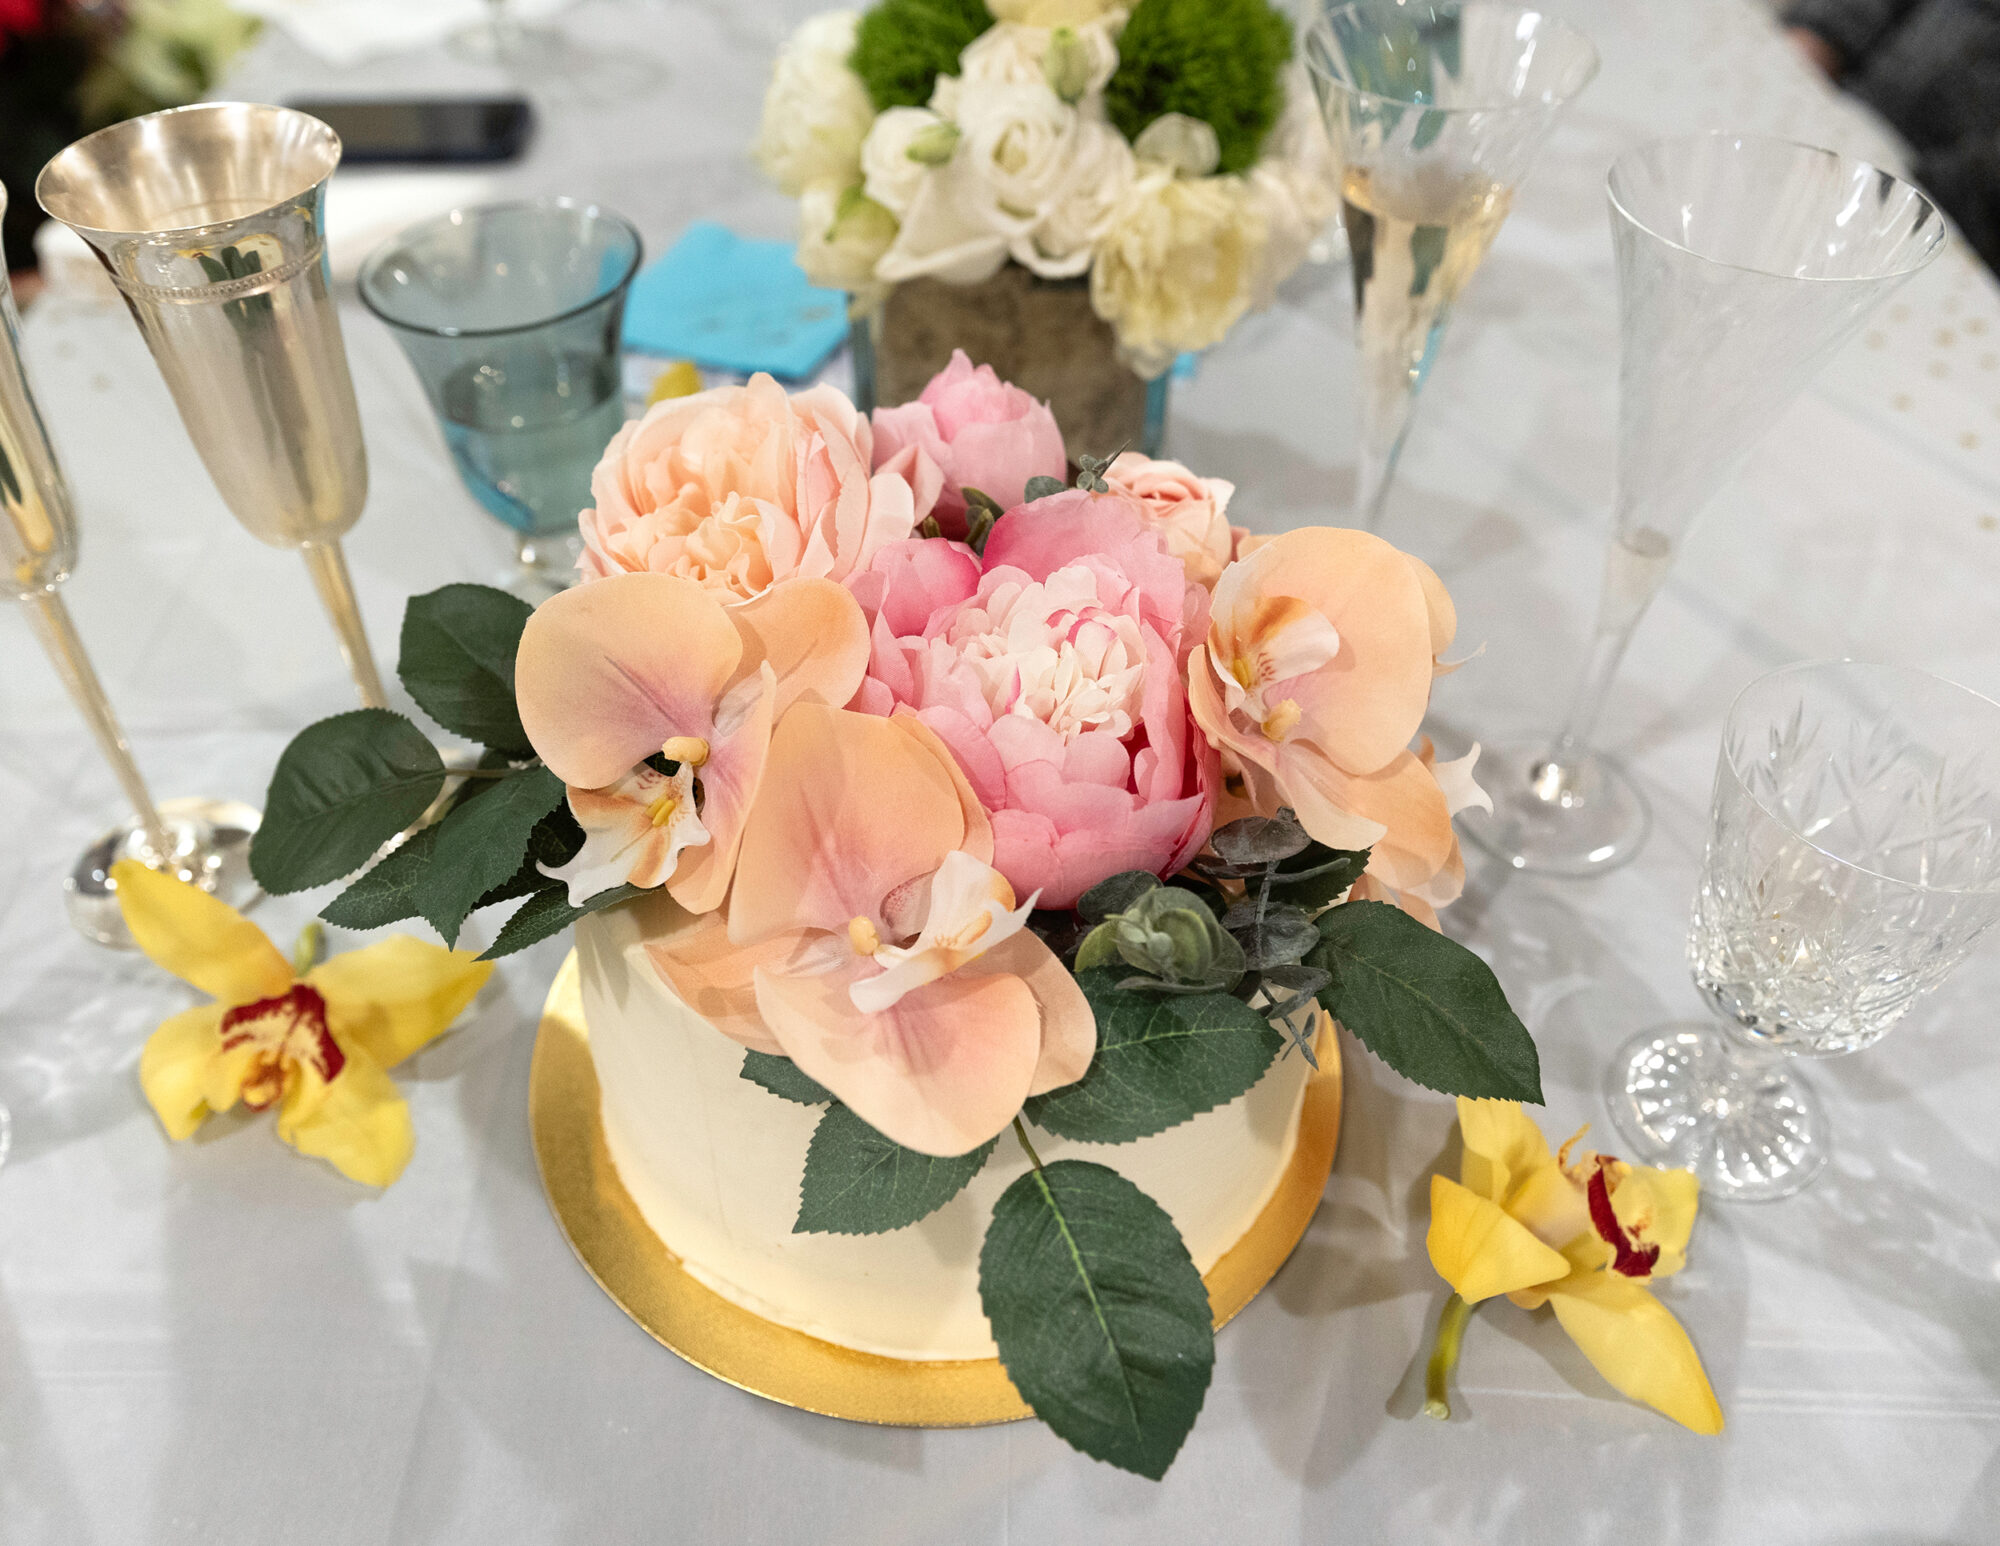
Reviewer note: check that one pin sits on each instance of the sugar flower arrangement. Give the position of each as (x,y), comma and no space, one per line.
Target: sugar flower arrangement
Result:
(987,805)
(1169,151)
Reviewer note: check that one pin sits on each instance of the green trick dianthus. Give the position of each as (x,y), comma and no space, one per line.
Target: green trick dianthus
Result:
(1216,60)
(902,46)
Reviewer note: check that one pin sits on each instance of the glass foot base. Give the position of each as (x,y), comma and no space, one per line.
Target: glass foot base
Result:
(1748,1126)
(543,565)
(1581,818)
(211,850)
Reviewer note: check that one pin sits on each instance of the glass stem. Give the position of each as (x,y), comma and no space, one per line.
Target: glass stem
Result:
(52,624)
(1633,570)
(336,589)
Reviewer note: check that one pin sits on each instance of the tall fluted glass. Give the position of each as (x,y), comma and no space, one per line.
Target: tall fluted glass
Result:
(203,841)
(1436,110)
(1743,263)
(210,220)
(1853,862)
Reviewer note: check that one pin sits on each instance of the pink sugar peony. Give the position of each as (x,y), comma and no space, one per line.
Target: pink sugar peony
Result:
(1191,514)
(740,487)
(980,431)
(1054,670)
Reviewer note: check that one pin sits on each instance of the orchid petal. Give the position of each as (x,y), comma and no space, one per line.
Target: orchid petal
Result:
(1657,1207)
(173,1068)
(201,940)
(1635,1343)
(357,1121)
(396,995)
(971,910)
(941,1071)
(1069,1028)
(1479,1250)
(625,843)
(1503,1147)
(1412,839)
(814,636)
(608,672)
(730,779)
(1442,615)
(717,978)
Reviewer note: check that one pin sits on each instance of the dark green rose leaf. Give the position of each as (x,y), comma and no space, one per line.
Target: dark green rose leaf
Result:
(386,893)
(1318,876)
(457,661)
(342,789)
(859,1183)
(781,1076)
(1102,1321)
(481,844)
(548,912)
(1161,1060)
(1424,1004)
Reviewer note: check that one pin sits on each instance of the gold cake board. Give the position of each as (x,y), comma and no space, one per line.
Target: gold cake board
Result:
(648,1283)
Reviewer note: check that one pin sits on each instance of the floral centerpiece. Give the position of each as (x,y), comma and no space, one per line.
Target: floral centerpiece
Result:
(1075,822)
(1168,154)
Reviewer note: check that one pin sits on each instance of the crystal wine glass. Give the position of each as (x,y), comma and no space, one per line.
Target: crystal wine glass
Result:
(512,316)
(203,841)
(210,220)
(1743,264)
(1436,110)
(1853,860)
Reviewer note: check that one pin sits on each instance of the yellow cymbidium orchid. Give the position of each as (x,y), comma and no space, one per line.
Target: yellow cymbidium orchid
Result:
(1583,1232)
(315,1043)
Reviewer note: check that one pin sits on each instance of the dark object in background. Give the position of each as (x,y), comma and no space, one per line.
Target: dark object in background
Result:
(427,131)
(1932,68)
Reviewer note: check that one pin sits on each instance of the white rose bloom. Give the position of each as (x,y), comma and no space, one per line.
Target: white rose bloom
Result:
(1188,145)
(1055,13)
(891,177)
(1014,54)
(1018,153)
(1102,173)
(1178,264)
(945,234)
(842,236)
(816,111)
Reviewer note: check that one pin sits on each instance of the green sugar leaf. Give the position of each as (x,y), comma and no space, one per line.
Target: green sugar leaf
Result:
(1102,1321)
(387,892)
(1424,1004)
(481,844)
(342,789)
(781,1076)
(458,662)
(548,912)
(1161,1060)
(859,1183)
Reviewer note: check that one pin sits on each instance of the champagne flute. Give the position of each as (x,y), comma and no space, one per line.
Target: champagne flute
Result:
(1743,263)
(202,841)
(1436,110)
(210,220)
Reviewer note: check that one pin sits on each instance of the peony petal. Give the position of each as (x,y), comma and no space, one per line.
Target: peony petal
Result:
(173,1069)
(202,941)
(942,1071)
(396,995)
(1479,1250)
(358,1121)
(609,671)
(851,807)
(1634,1342)
(813,635)
(716,978)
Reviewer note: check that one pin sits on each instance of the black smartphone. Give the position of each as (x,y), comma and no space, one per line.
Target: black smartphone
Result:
(426,130)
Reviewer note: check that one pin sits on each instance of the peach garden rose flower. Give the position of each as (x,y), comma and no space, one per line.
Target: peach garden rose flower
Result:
(1190,514)
(739,487)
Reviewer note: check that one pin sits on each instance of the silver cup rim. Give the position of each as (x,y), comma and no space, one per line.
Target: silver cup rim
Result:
(126,127)
(1920,261)
(1805,667)
(456,215)
(1547,102)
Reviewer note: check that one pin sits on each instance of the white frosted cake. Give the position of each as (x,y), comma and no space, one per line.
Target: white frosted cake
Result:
(713,1163)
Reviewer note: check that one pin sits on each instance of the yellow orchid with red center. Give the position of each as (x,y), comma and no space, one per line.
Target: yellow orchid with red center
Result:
(316,1043)
(1583,1232)
(1313,679)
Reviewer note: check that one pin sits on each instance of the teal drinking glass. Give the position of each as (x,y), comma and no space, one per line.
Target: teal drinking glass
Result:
(511,315)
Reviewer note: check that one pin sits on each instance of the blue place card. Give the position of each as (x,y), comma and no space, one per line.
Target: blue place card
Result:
(731,304)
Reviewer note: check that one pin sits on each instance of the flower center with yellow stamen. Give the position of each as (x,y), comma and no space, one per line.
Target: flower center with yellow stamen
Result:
(1282,720)
(863,936)
(287,1031)
(1245,672)
(662,810)
(690,749)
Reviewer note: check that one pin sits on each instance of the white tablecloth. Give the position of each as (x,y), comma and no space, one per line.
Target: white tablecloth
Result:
(219,1341)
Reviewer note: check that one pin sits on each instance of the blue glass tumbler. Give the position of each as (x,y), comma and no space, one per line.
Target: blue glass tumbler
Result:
(511,315)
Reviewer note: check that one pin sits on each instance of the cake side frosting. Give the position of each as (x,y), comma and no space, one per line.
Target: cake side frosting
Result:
(713,1163)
